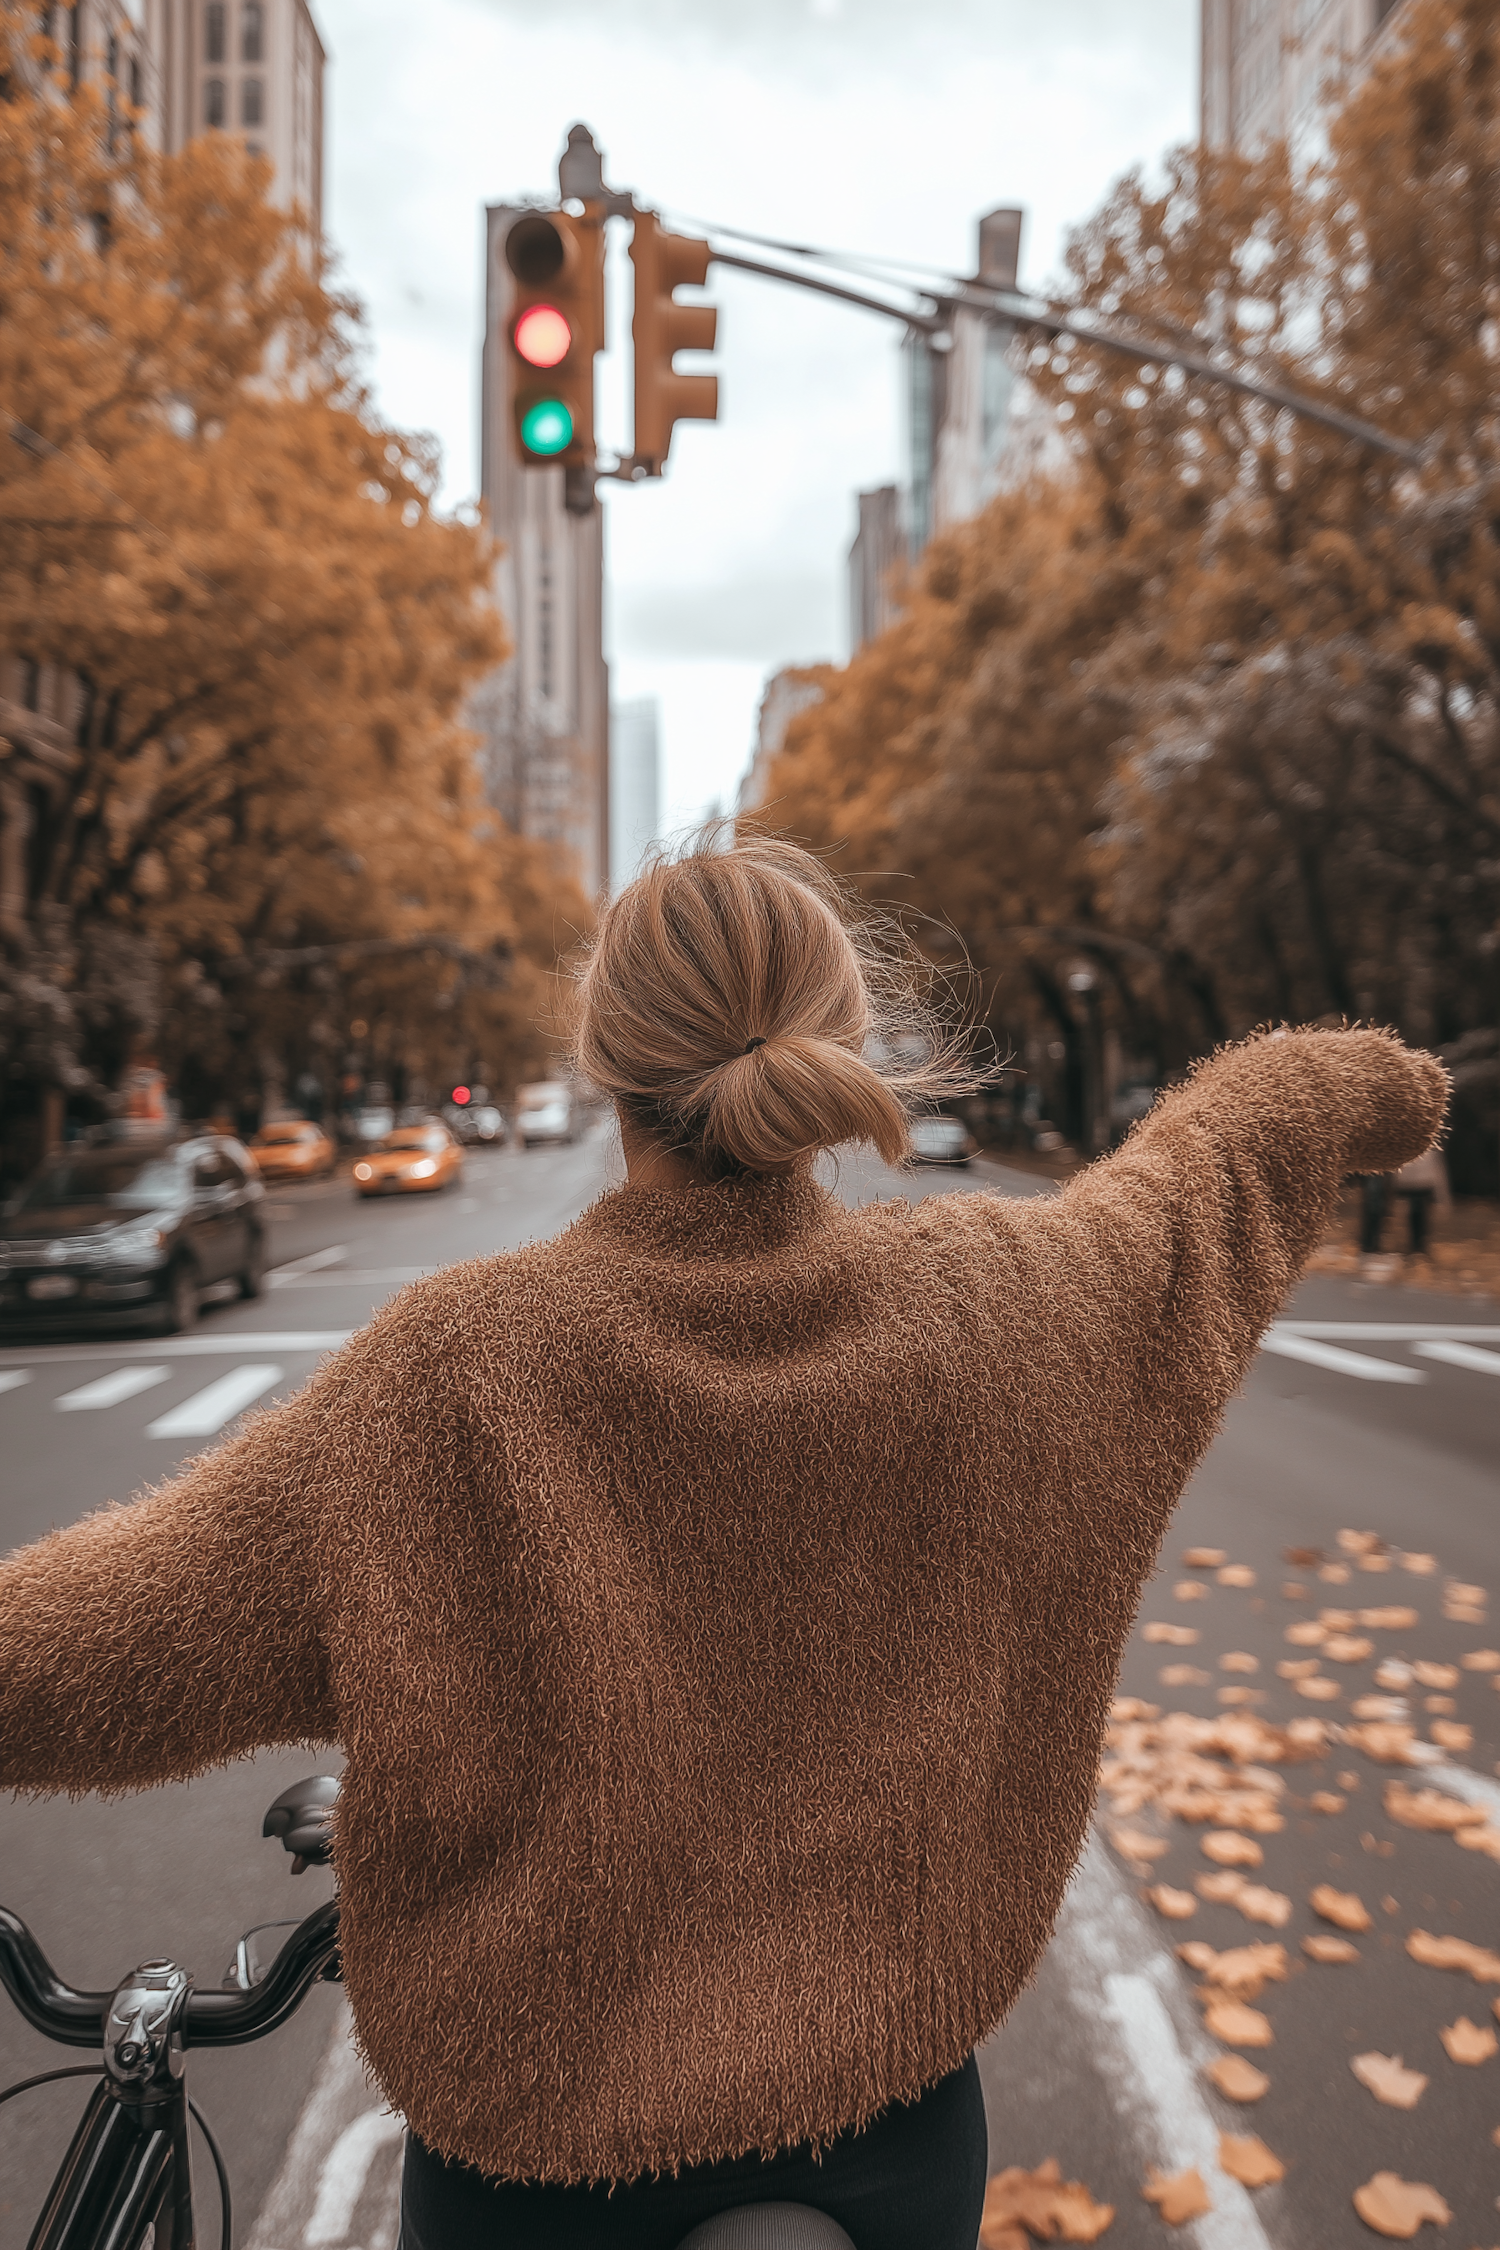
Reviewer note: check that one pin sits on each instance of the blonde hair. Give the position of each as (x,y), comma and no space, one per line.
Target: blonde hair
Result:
(731,1003)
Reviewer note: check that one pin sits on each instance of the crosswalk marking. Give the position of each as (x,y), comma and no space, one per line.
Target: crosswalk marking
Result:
(1369,1370)
(1478,1361)
(110,1390)
(209,1409)
(14,1377)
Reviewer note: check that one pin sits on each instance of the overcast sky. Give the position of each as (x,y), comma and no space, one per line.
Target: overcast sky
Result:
(882,126)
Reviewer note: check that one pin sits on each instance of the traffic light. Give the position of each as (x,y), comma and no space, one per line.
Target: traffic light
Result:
(664,263)
(556,327)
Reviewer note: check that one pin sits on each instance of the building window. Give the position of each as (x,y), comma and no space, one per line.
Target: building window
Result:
(252,102)
(213,101)
(135,82)
(252,32)
(213,31)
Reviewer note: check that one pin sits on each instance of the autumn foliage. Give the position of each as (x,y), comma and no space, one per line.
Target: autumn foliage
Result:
(1211,707)
(206,522)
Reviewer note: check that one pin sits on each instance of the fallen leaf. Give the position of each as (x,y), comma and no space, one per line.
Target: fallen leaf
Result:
(1468,2042)
(1249,2161)
(1397,2207)
(1327,1801)
(1347,1648)
(1242,1971)
(1230,1849)
(1320,1946)
(1190,1590)
(1454,1591)
(1131,1707)
(1389,2080)
(1373,1562)
(1481,1660)
(1297,1668)
(1420,1566)
(1237,1574)
(1178,2197)
(1360,1542)
(1258,1904)
(1435,1675)
(1428,1808)
(1176,1636)
(1306,1633)
(1463,1613)
(1443,1705)
(1334,1573)
(1204,1558)
(1133,1844)
(1393,1673)
(1388,1741)
(1238,2025)
(1220,1890)
(1018,2203)
(1451,1734)
(1319,1690)
(1476,1961)
(1238,1660)
(1484,1836)
(1238,2080)
(1391,1905)
(1343,1908)
(1239,1696)
(1336,1620)
(1176,1906)
(1392,1619)
(1183,1675)
(1379,1707)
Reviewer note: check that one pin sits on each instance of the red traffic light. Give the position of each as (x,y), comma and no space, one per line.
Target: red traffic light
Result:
(543,336)
(460,1096)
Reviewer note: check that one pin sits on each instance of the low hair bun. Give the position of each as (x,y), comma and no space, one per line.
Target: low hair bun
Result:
(757,933)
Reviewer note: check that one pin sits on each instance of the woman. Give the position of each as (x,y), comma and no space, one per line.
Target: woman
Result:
(718,1605)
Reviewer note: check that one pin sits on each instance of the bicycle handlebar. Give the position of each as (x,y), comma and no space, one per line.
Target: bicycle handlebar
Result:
(210,2019)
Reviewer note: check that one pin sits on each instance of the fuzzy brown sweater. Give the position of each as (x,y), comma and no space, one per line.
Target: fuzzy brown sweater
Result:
(718,1606)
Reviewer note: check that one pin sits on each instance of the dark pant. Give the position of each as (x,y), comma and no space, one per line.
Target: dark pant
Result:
(912,2180)
(1374,1202)
(1419,1204)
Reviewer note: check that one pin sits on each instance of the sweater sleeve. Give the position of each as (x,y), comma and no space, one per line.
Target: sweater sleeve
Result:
(1180,1247)
(150,1641)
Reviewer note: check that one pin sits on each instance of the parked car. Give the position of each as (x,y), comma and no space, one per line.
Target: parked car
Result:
(294,1150)
(414,1160)
(488,1122)
(942,1140)
(475,1124)
(130,1231)
(546,1112)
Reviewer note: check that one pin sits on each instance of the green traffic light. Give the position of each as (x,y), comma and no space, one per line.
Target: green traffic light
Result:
(547,427)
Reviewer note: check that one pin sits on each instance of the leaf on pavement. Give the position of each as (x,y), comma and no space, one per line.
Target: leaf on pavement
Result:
(1322,1946)
(1476,1961)
(1175,1636)
(1481,1660)
(1139,1849)
(1327,1801)
(1435,1675)
(1247,2159)
(1347,1648)
(1474,1597)
(1343,1908)
(1393,1672)
(1258,1904)
(1239,1660)
(1420,1566)
(1190,1590)
(1306,1633)
(1297,1668)
(1302,1558)
(1318,1689)
(1388,2080)
(1204,1558)
(1220,1890)
(1131,1707)
(1468,2042)
(1361,1543)
(1463,1613)
(1179,2196)
(1238,2025)
(1018,2203)
(1379,1707)
(1241,1971)
(1236,1574)
(1176,1906)
(1388,1741)
(1238,2080)
(1483,1836)
(1429,1808)
(1230,1849)
(1451,1734)
(1397,2207)
(1183,1675)
(1393,1618)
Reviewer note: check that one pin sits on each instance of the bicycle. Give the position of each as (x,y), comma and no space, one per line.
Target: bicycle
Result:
(125,2182)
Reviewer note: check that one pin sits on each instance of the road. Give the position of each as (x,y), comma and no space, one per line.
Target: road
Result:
(1371,1412)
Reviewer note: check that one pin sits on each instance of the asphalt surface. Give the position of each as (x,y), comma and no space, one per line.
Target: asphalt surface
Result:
(1101,2064)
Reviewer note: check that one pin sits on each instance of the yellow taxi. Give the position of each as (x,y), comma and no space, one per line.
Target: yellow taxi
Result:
(294,1150)
(410,1161)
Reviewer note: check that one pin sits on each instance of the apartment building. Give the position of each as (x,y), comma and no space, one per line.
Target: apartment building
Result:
(253,68)
(1270,67)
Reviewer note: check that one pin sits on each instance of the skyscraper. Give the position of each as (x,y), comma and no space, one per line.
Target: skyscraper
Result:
(253,68)
(1269,65)
(544,716)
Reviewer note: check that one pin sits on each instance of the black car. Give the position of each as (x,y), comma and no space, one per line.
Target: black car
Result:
(128,1233)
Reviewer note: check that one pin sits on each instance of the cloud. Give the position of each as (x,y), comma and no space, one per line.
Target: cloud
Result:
(781,617)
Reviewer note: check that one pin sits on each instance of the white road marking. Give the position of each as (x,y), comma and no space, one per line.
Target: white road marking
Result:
(209,1409)
(225,1345)
(1384,1331)
(1453,1354)
(1155,2046)
(314,1261)
(339,2094)
(14,1377)
(110,1390)
(1474,1788)
(346,2168)
(1341,1362)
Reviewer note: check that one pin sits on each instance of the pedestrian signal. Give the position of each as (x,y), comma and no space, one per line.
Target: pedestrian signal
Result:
(556,326)
(665,263)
